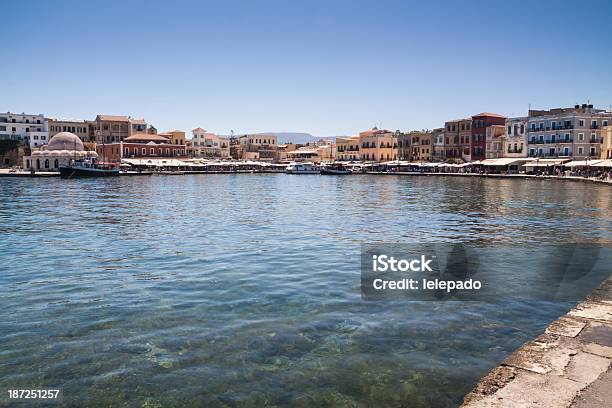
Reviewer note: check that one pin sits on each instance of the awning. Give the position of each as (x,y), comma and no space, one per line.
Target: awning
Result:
(506,161)
(582,163)
(603,163)
(546,162)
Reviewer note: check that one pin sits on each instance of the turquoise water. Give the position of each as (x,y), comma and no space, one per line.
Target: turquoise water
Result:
(243,290)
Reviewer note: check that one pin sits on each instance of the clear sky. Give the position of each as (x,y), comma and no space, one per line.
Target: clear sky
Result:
(323,67)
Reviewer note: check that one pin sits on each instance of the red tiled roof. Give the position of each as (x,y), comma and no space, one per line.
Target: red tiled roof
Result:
(199,129)
(492,115)
(114,118)
(146,137)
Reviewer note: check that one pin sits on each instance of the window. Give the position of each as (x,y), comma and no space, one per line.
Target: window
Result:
(580,150)
(581,136)
(581,122)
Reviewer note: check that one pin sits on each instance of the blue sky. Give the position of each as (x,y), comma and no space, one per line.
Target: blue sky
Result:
(324,67)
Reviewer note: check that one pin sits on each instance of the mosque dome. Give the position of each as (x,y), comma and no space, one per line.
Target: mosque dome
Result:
(65,141)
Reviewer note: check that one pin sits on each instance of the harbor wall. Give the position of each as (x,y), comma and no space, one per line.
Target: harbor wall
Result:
(569,365)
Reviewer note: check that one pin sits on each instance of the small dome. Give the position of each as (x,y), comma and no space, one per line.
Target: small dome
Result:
(65,141)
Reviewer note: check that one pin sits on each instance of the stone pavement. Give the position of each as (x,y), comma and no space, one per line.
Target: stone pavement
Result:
(567,366)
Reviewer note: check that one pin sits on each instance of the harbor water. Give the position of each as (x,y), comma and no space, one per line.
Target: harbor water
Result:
(243,290)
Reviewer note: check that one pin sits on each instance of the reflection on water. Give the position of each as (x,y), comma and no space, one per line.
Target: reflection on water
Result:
(243,290)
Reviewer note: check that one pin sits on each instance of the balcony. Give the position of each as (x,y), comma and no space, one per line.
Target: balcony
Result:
(594,126)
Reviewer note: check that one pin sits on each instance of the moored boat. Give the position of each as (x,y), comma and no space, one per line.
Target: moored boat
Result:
(335,169)
(302,168)
(86,168)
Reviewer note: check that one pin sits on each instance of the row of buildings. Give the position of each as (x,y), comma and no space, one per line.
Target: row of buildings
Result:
(115,138)
(580,132)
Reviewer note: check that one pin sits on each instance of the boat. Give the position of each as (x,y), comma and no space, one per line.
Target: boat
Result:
(86,168)
(302,168)
(335,169)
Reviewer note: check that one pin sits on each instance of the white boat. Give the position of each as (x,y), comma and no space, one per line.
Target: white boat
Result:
(302,168)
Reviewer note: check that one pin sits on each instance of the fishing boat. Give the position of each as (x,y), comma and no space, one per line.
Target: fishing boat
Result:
(334,169)
(86,168)
(302,168)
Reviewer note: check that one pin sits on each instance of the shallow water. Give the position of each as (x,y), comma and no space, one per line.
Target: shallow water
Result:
(243,290)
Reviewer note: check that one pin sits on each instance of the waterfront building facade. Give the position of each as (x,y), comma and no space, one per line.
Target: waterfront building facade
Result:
(480,124)
(378,145)
(139,126)
(515,137)
(495,136)
(439,148)
(140,146)
(74,126)
(29,129)
(347,148)
(453,129)
(206,144)
(311,153)
(112,128)
(261,147)
(567,132)
(176,137)
(606,142)
(421,146)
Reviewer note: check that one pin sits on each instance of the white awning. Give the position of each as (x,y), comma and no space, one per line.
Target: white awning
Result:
(505,161)
(546,162)
(582,163)
(603,163)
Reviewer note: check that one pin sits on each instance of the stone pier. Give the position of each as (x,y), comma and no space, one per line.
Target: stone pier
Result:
(567,366)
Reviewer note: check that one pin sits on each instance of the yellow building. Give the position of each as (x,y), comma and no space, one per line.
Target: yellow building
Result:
(377,145)
(606,142)
(177,137)
(347,148)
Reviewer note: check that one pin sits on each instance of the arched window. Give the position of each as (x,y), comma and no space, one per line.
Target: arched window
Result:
(27,163)
(46,163)
(37,164)
(56,164)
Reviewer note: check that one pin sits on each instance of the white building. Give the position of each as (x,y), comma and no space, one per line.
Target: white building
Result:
(31,129)
(515,138)
(206,144)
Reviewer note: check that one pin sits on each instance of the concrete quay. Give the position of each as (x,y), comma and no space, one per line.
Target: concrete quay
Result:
(569,365)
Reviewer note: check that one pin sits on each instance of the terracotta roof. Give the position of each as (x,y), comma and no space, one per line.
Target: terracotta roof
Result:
(492,115)
(199,129)
(114,118)
(146,137)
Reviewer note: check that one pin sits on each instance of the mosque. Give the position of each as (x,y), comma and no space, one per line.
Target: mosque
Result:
(62,148)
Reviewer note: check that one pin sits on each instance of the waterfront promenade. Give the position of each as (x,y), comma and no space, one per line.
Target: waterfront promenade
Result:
(567,366)
(8,173)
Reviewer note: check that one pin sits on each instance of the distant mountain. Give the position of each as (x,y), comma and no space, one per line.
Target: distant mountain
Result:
(294,137)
